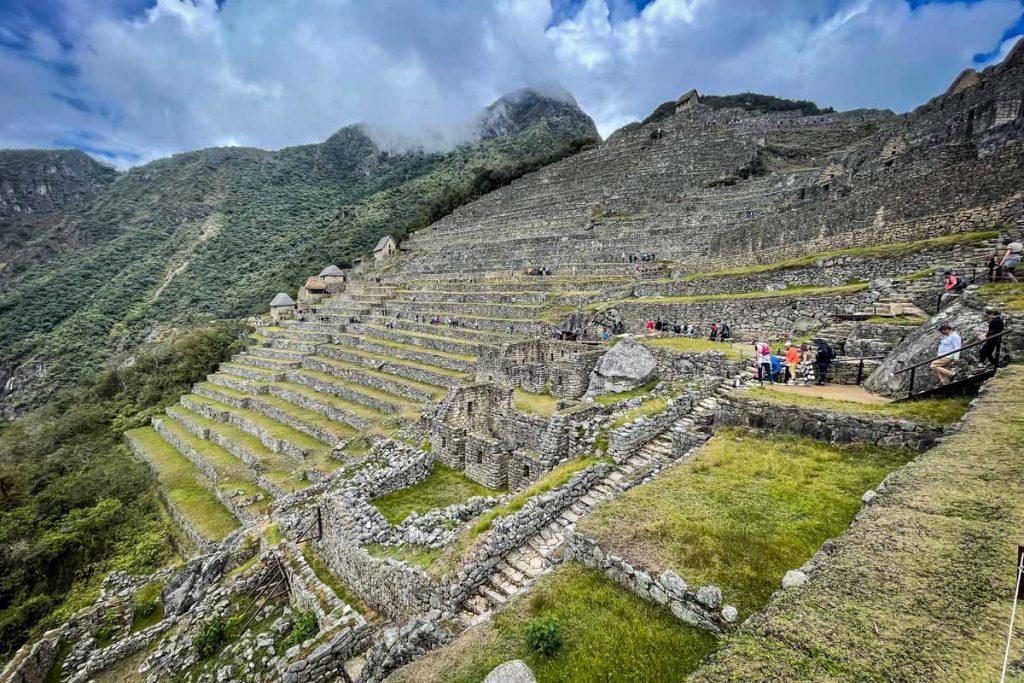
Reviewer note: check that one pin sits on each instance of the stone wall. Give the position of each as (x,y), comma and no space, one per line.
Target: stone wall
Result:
(824,425)
(33,661)
(626,440)
(701,607)
(539,366)
(675,365)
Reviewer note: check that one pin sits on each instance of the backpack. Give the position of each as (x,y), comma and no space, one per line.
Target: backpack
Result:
(827,350)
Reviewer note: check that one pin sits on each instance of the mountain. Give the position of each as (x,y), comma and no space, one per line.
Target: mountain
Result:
(215,233)
(37,190)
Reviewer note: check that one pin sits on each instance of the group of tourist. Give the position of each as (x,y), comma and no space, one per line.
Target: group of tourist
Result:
(718,332)
(1002,266)
(638,257)
(950,344)
(538,271)
(793,364)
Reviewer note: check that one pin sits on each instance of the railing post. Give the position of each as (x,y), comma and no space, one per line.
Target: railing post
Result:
(860,370)
(910,391)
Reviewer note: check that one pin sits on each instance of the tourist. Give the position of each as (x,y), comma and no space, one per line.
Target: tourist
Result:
(1011,259)
(649,325)
(992,342)
(777,366)
(949,344)
(792,361)
(951,281)
(510,328)
(763,361)
(604,335)
(726,332)
(823,357)
(806,368)
(677,328)
(714,332)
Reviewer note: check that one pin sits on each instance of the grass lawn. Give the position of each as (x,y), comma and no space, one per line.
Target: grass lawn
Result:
(539,404)
(651,407)
(935,411)
(149,609)
(419,556)
(608,633)
(442,488)
(687,345)
(743,511)
(913,320)
(919,589)
(181,481)
(608,399)
(1008,295)
(874,251)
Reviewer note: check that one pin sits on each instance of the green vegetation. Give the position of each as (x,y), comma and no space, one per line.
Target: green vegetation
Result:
(214,233)
(416,555)
(544,635)
(608,399)
(645,409)
(742,512)
(1007,295)
(551,480)
(74,503)
(272,535)
(443,487)
(688,345)
(545,405)
(327,577)
(149,608)
(933,411)
(762,103)
(304,628)
(873,251)
(923,566)
(212,636)
(606,633)
(908,320)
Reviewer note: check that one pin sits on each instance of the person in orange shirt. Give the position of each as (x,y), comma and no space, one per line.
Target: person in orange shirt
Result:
(792,360)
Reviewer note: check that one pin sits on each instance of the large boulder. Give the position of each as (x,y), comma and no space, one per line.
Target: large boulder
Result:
(628,365)
(514,671)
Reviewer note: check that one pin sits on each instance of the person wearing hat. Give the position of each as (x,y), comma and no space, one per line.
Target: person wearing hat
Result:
(949,343)
(987,353)
(792,360)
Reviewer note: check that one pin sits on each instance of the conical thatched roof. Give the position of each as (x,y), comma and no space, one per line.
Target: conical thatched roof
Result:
(315,282)
(331,271)
(282,299)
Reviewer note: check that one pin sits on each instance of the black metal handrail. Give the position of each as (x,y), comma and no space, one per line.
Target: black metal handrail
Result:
(913,368)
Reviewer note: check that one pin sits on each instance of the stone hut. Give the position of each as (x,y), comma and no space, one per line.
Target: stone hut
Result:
(385,248)
(334,279)
(687,100)
(281,306)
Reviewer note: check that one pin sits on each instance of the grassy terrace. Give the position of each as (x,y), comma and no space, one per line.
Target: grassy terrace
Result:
(328,578)
(874,251)
(609,634)
(1008,295)
(330,399)
(743,511)
(841,290)
(439,336)
(651,407)
(401,346)
(936,411)
(910,320)
(336,429)
(181,481)
(919,589)
(608,399)
(442,488)
(431,389)
(545,405)
(417,555)
(277,468)
(682,344)
(381,358)
(233,473)
(314,448)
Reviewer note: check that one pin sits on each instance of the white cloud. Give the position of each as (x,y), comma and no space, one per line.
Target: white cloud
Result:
(186,74)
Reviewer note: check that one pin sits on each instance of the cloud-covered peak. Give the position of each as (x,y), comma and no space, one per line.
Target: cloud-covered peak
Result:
(132,80)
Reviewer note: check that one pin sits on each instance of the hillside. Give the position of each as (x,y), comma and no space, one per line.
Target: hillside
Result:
(214,233)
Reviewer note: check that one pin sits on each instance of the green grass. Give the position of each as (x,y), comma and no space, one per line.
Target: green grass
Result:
(272,534)
(63,650)
(402,346)
(419,556)
(608,399)
(430,389)
(148,595)
(851,288)
(874,251)
(609,635)
(909,320)
(1008,295)
(444,486)
(647,408)
(551,480)
(743,511)
(313,447)
(328,578)
(687,345)
(933,411)
(381,358)
(181,482)
(545,405)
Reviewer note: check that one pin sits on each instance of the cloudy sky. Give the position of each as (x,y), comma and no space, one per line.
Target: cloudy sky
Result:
(134,80)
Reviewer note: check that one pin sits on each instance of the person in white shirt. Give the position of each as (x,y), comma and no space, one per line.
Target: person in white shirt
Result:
(949,343)
(1011,259)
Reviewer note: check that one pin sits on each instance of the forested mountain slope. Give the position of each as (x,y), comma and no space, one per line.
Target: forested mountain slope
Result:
(214,233)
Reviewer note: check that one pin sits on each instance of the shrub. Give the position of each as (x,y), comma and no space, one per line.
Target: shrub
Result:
(211,637)
(544,635)
(304,628)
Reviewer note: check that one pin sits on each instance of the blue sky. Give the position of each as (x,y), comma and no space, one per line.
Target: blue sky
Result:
(133,80)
